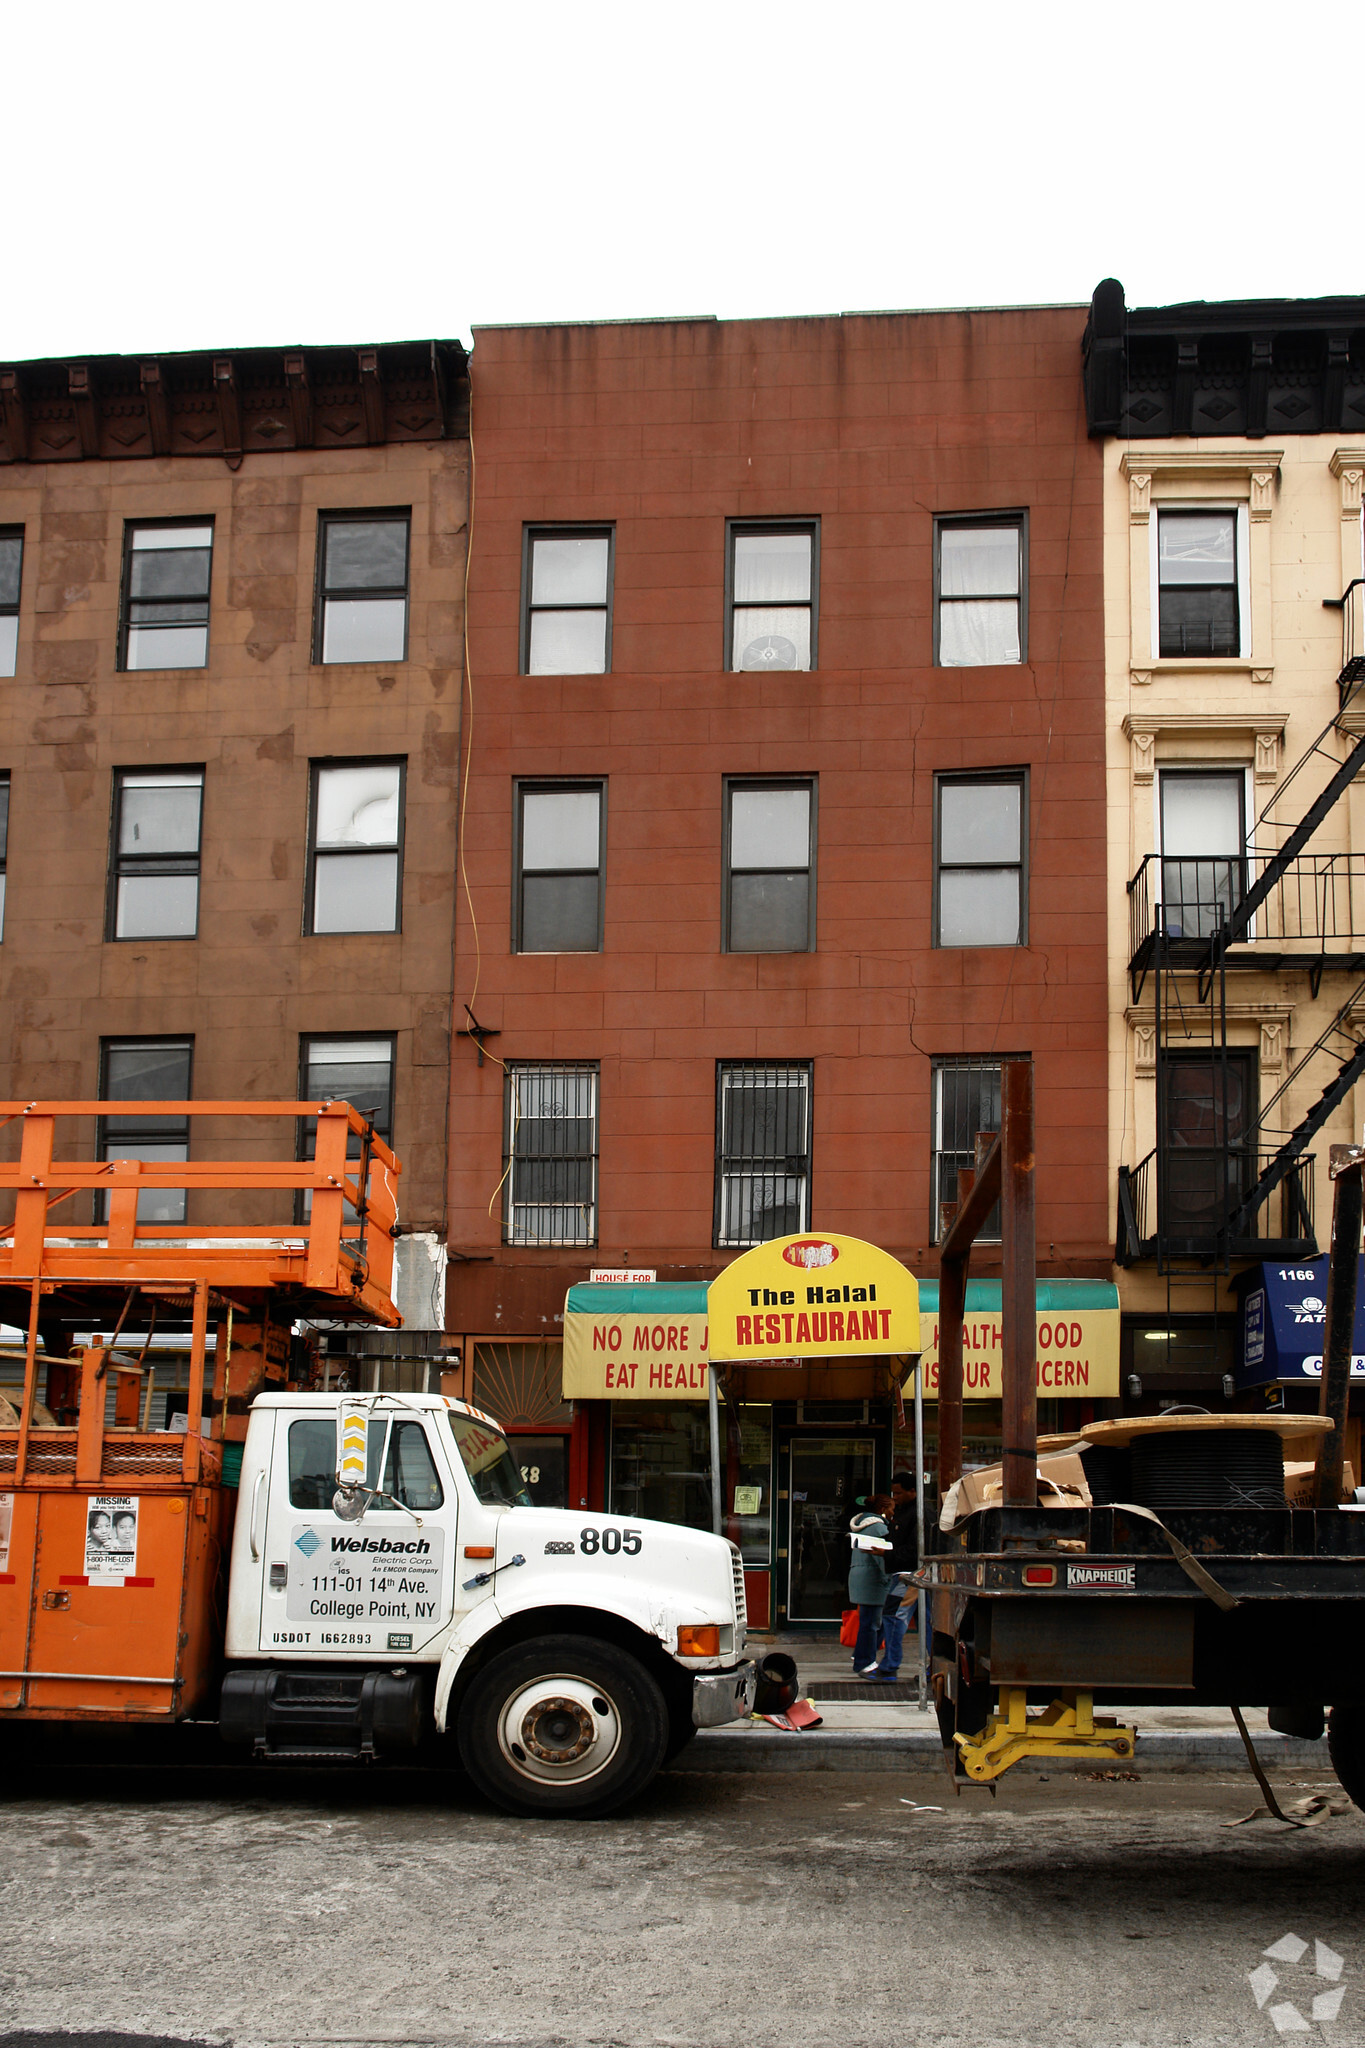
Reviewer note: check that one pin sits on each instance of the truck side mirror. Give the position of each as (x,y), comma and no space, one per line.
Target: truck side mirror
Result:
(349,1503)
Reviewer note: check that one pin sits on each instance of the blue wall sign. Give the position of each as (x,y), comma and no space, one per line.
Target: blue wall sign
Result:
(1283,1314)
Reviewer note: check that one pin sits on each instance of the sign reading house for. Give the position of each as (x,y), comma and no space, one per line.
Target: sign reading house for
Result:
(813,1296)
(635,1342)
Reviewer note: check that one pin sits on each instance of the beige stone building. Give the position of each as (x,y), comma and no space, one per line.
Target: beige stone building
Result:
(1234,448)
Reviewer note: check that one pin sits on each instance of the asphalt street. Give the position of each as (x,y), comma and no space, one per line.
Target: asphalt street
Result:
(777,1911)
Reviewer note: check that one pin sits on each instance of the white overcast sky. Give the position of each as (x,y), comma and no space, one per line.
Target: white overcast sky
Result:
(187,176)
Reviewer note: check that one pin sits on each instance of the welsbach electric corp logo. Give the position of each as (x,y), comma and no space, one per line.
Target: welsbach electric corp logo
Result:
(1304,1973)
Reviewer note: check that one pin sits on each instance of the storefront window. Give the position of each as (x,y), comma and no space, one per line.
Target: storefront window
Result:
(661,1470)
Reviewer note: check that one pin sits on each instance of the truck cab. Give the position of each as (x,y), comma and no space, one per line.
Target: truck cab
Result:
(392,1586)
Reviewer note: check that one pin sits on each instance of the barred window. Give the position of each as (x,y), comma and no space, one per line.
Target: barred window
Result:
(550,1157)
(966,1100)
(763,1132)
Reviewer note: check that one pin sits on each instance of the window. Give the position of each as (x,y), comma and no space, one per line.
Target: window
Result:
(966,1100)
(146,1070)
(1197,587)
(567,577)
(763,1147)
(11,575)
(769,856)
(981,833)
(980,586)
(493,1471)
(409,1473)
(354,1070)
(4,845)
(661,1469)
(1203,848)
(551,1154)
(166,596)
(355,837)
(1208,1112)
(154,886)
(362,587)
(771,595)
(561,832)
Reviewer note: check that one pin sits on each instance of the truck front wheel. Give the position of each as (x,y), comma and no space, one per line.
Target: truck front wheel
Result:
(1346,1747)
(563,1725)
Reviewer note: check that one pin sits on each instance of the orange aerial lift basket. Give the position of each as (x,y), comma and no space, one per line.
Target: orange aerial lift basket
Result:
(82,1495)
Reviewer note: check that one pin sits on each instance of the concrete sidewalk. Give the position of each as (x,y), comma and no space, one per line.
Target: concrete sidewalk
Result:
(894,1734)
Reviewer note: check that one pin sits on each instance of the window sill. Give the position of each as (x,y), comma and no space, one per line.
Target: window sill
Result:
(1203,665)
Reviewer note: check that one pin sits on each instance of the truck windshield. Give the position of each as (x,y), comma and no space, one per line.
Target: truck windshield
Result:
(489,1463)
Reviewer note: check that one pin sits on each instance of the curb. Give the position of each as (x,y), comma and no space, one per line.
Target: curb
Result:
(918,1749)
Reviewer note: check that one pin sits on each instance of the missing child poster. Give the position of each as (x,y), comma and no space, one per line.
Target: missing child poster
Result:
(110,1538)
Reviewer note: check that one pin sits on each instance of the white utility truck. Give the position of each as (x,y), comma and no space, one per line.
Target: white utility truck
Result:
(392,1585)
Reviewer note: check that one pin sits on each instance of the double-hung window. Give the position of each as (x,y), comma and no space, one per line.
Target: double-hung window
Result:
(980,590)
(4,845)
(1198,595)
(146,1071)
(771,593)
(354,1070)
(550,1155)
(166,573)
(966,1100)
(980,882)
(763,1150)
(566,614)
(362,602)
(769,866)
(154,884)
(560,863)
(1203,819)
(355,837)
(11,577)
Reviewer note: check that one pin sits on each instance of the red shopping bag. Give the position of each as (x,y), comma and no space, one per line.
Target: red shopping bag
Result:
(848,1633)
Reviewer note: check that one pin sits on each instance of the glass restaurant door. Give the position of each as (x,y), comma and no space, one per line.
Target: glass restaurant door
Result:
(826,1476)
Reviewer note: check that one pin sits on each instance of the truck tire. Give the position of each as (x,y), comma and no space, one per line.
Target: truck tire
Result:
(1346,1747)
(565,1726)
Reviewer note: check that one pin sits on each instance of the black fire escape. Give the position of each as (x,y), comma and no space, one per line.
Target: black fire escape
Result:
(1228,1179)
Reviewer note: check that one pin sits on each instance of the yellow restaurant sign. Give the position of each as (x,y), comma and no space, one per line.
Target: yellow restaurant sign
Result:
(1078,1346)
(813,1296)
(635,1343)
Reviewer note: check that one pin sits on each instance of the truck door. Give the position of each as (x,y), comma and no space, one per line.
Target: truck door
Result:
(381,1585)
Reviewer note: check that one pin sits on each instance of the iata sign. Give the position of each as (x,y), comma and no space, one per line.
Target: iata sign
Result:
(813,1296)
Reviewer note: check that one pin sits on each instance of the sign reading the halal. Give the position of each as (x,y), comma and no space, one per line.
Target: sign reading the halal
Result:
(814,1296)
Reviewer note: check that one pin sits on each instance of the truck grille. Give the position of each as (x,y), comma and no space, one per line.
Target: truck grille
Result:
(741,1609)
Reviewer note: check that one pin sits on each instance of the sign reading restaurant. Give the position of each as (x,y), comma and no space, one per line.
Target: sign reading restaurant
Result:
(813,1295)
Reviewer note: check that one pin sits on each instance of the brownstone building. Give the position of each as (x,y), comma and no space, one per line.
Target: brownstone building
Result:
(784,827)
(231,637)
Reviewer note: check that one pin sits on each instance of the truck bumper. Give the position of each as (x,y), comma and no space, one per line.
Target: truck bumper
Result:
(721,1696)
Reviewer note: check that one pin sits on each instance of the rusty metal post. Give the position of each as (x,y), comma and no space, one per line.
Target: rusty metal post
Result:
(1019,1293)
(1348,1174)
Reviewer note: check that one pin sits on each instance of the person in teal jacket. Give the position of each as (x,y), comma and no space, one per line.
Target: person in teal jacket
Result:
(868,1578)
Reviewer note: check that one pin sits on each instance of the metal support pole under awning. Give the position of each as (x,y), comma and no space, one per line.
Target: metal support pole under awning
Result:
(717,1492)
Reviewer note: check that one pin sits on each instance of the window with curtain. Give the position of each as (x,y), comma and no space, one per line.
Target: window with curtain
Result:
(772,596)
(980,897)
(980,588)
(146,1070)
(566,614)
(154,884)
(11,576)
(356,835)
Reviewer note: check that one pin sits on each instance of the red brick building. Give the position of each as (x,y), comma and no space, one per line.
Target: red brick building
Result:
(783,826)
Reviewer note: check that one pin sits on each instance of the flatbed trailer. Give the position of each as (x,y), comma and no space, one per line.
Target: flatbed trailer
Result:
(1042,1614)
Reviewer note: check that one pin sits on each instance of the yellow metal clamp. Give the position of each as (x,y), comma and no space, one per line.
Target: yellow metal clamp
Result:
(1065,1729)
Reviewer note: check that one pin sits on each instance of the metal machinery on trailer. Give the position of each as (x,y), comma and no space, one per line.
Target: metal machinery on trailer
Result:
(1042,1613)
(332,1576)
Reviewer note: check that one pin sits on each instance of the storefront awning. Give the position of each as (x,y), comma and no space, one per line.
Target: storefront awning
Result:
(636,1343)
(814,1296)
(1284,1311)
(1078,1340)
